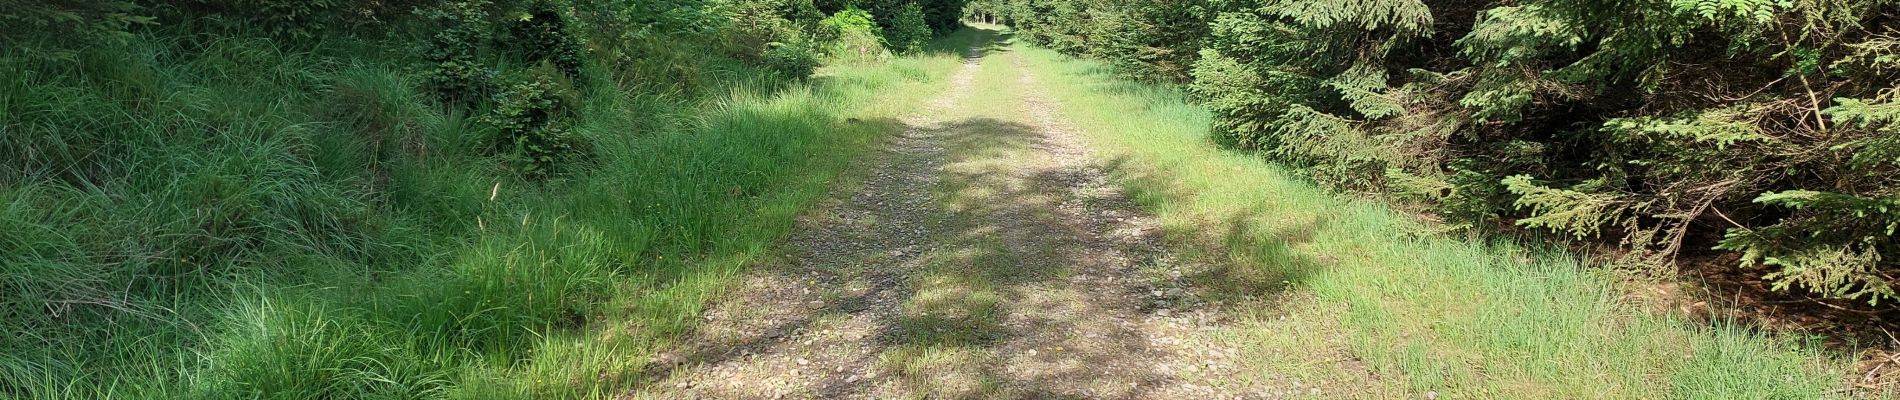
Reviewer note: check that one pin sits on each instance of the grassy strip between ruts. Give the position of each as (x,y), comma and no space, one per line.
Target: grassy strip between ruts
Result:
(366,275)
(1369,302)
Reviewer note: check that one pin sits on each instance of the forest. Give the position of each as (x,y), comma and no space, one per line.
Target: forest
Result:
(474,199)
(1728,134)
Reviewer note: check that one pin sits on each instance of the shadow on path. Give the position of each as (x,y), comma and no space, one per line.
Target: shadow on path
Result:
(980,257)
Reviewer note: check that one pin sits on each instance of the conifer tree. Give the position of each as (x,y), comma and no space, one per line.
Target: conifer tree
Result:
(1761,127)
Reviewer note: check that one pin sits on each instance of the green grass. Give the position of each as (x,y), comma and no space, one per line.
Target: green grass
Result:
(1369,302)
(242,220)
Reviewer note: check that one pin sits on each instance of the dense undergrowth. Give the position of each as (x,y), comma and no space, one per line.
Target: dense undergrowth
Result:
(1751,134)
(407,199)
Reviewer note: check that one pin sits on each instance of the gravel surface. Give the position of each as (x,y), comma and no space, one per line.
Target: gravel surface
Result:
(982,256)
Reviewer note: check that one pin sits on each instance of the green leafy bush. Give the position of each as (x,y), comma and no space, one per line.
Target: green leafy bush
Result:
(777,34)
(909,31)
(540,34)
(941,16)
(290,19)
(851,36)
(531,120)
(455,71)
(847,21)
(796,57)
(55,29)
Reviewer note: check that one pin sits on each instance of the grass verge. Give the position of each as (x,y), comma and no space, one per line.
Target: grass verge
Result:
(234,219)
(1369,302)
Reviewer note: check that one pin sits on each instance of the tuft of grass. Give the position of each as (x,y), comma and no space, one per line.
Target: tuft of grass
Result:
(1412,311)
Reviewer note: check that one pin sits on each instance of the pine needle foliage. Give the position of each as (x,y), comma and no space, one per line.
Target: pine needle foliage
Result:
(909,30)
(1763,127)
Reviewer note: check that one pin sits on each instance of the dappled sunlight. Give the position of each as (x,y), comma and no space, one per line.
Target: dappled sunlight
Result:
(940,372)
(985,255)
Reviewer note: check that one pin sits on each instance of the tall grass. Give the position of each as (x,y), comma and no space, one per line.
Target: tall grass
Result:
(1411,310)
(227,218)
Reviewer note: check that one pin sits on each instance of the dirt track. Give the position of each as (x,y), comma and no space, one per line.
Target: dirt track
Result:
(984,255)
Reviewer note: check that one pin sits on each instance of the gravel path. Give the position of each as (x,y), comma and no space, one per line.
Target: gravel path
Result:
(985,255)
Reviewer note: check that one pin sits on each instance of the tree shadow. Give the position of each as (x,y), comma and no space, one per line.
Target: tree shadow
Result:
(991,261)
(1229,258)
(702,346)
(984,292)
(1011,290)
